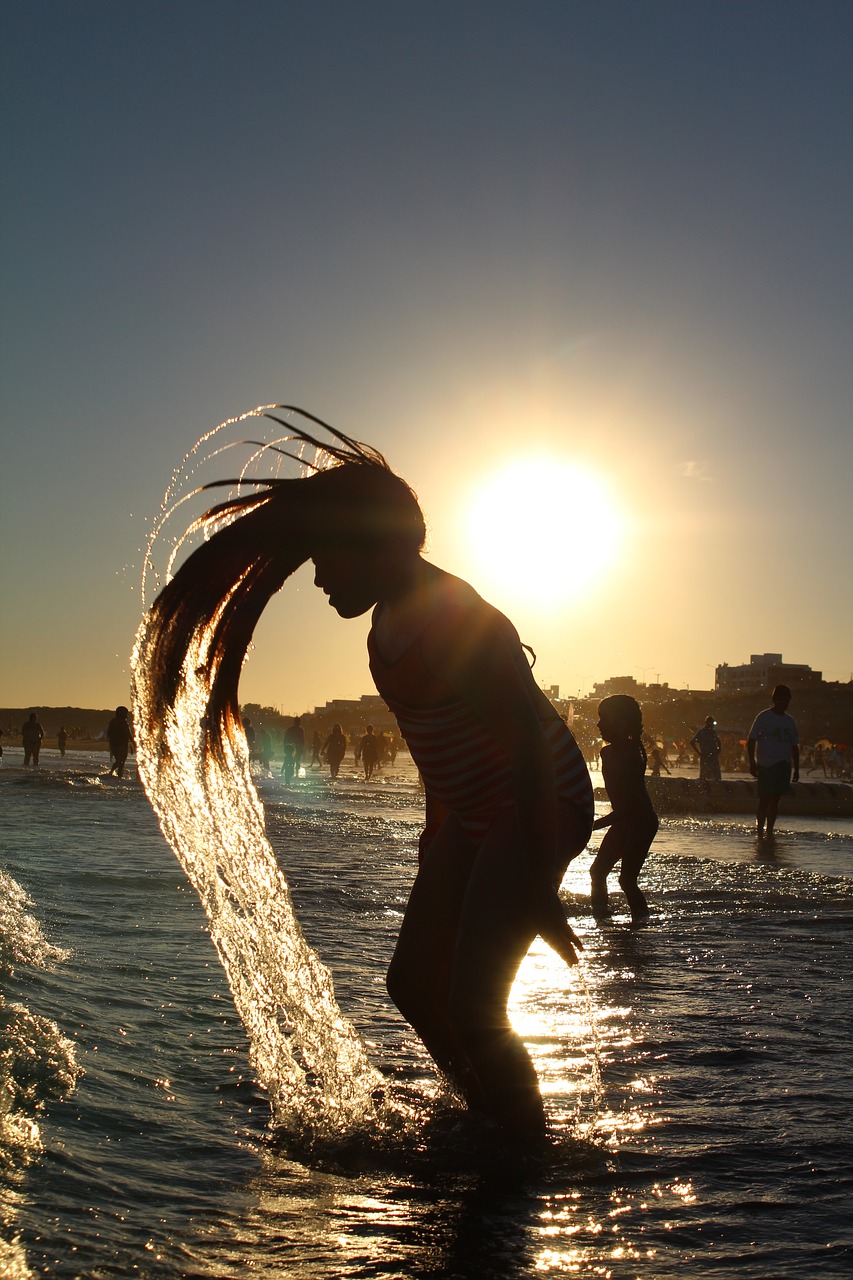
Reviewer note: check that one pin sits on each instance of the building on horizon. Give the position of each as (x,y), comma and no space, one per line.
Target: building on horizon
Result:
(616,684)
(368,709)
(762,673)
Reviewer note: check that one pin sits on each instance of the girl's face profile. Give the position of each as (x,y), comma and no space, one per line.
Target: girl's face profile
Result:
(606,726)
(350,577)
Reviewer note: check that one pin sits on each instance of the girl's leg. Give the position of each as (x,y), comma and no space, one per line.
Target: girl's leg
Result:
(637,844)
(609,853)
(420,973)
(495,933)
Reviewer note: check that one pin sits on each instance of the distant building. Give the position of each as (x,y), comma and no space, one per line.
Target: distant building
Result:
(616,684)
(762,673)
(368,709)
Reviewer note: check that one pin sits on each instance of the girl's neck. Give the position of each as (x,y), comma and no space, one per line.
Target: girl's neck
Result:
(403,614)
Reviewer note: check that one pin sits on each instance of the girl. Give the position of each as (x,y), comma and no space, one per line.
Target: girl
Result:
(633,822)
(508,796)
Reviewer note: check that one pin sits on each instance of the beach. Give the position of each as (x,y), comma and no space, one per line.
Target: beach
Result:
(696,1072)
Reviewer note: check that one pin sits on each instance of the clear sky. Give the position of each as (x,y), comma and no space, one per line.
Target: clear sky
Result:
(610,238)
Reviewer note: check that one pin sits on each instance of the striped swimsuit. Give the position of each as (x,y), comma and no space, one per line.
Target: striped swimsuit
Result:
(462,764)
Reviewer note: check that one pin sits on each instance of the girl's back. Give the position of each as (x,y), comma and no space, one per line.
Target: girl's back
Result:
(624,767)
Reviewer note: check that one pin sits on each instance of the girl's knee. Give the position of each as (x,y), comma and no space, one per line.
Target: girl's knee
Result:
(399,985)
(411,993)
(627,880)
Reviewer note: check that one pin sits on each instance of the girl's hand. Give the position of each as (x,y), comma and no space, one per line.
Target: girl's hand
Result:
(553,926)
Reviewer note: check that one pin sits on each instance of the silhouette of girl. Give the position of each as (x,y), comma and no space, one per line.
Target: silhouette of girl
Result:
(508,796)
(633,822)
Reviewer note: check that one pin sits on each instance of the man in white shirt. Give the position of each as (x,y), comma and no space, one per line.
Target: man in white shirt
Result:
(774,750)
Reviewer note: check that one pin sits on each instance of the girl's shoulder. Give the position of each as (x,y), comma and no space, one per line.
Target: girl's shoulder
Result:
(458,612)
(619,755)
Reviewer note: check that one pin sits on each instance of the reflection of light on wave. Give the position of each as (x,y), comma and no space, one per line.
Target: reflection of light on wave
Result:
(567,1021)
(36,1063)
(561,1040)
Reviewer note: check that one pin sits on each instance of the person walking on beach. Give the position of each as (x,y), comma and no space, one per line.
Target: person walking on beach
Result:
(451,668)
(334,749)
(61,739)
(706,743)
(774,756)
(31,736)
(367,752)
(632,821)
(119,737)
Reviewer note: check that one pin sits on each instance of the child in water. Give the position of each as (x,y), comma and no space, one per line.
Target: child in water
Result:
(633,822)
(508,795)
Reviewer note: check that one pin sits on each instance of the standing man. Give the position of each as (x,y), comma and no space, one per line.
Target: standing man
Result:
(31,736)
(774,751)
(706,743)
(120,738)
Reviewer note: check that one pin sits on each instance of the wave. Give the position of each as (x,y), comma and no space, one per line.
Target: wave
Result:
(37,1064)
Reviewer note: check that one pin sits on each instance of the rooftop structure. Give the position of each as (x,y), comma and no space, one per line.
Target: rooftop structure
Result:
(762,673)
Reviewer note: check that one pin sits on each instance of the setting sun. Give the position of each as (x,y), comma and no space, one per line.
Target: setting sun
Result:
(543,529)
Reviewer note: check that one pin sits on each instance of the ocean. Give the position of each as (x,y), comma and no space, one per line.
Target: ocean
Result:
(697,1072)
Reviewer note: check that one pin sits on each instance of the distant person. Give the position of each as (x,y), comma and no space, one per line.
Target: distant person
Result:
(119,737)
(249,730)
(31,736)
(774,756)
(266,751)
(61,739)
(633,822)
(316,746)
(334,749)
(657,761)
(367,752)
(706,743)
(818,760)
(294,736)
(288,764)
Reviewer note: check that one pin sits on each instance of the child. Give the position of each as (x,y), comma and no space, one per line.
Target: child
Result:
(288,764)
(500,831)
(633,822)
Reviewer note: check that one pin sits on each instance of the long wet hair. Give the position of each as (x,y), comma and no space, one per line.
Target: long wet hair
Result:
(627,713)
(204,617)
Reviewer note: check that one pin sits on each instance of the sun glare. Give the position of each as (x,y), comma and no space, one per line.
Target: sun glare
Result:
(543,530)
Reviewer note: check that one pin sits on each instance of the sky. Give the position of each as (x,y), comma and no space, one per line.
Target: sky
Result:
(601,247)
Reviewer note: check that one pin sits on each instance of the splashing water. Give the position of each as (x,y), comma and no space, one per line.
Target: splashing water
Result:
(307,1056)
(37,1063)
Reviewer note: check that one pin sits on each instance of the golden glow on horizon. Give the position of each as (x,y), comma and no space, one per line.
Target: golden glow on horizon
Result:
(543,530)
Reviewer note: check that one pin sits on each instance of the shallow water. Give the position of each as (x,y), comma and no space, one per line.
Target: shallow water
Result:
(697,1072)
